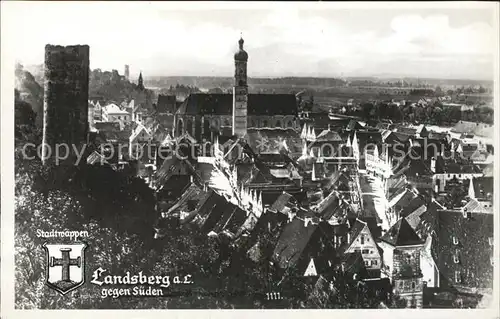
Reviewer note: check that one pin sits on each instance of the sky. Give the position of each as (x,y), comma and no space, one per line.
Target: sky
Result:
(281,40)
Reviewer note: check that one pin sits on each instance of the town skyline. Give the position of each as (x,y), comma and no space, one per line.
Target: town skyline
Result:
(300,43)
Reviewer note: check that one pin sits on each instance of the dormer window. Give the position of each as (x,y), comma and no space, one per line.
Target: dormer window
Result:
(456,260)
(467,214)
(458,277)
(455,240)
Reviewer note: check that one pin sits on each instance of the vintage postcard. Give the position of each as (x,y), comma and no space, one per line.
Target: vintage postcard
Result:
(249,156)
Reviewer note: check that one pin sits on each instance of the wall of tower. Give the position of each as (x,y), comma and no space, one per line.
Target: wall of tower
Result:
(240,102)
(66,94)
(407,262)
(240,98)
(127,72)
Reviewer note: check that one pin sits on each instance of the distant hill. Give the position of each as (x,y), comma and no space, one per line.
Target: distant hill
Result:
(207,82)
(111,86)
(104,85)
(29,91)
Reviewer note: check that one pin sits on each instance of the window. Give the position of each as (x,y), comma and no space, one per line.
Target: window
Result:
(458,277)
(362,239)
(413,285)
(374,262)
(456,260)
(365,251)
(367,263)
(455,240)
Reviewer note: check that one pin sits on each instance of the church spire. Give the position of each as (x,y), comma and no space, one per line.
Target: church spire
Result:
(140,83)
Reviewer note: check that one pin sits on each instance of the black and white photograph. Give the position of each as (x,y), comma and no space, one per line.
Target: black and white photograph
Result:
(250,155)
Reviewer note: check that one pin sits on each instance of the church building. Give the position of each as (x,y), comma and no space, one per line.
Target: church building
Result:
(205,115)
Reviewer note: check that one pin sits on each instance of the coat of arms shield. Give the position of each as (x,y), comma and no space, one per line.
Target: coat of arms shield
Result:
(65,266)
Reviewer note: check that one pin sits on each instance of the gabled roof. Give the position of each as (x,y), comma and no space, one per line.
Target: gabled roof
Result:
(354,232)
(328,136)
(114,136)
(483,186)
(438,135)
(292,241)
(452,166)
(354,125)
(474,206)
(466,238)
(406,130)
(107,126)
(166,103)
(402,197)
(413,205)
(191,193)
(96,158)
(272,140)
(480,129)
(222,104)
(413,164)
(488,170)
(138,130)
(401,234)
(281,202)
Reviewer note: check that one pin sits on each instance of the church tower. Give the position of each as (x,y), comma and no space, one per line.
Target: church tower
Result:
(240,92)
(140,83)
(127,72)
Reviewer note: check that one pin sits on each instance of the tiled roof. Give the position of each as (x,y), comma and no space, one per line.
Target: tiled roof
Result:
(274,140)
(281,202)
(322,122)
(166,103)
(413,205)
(115,136)
(222,104)
(192,193)
(114,109)
(96,158)
(406,130)
(356,228)
(396,137)
(107,126)
(468,239)
(294,238)
(480,129)
(456,167)
(488,170)
(354,125)
(267,228)
(413,165)
(483,187)
(328,136)
(401,197)
(401,234)
(437,135)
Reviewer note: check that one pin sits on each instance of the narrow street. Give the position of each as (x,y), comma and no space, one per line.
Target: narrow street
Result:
(374,201)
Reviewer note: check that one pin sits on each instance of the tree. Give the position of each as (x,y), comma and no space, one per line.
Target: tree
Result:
(367,109)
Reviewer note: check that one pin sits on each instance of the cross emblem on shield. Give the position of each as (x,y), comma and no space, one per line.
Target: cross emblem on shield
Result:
(65,270)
